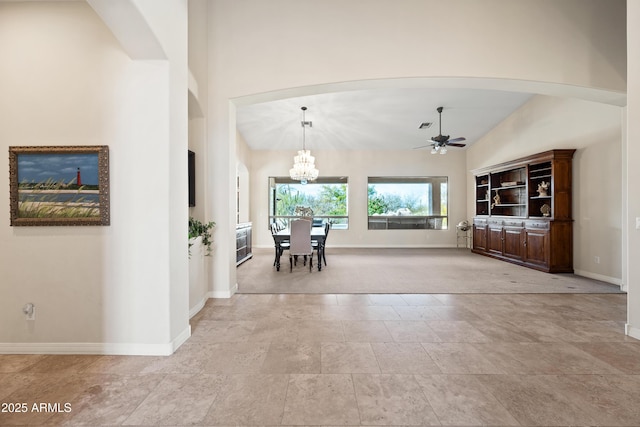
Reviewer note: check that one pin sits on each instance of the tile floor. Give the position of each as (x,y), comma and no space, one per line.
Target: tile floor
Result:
(443,359)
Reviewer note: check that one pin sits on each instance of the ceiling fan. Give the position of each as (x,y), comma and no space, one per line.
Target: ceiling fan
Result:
(439,143)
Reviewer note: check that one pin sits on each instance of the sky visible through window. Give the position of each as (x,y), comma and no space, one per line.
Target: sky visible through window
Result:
(419,196)
(415,192)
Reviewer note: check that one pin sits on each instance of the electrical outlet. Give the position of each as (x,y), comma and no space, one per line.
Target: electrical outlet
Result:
(638,223)
(596,259)
(29,311)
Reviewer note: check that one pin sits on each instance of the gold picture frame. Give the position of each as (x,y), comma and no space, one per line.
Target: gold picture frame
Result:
(59,185)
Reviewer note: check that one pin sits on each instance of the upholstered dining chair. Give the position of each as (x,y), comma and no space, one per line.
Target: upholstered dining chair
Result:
(300,243)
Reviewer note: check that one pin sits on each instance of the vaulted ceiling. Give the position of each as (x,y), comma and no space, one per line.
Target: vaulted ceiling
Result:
(375,119)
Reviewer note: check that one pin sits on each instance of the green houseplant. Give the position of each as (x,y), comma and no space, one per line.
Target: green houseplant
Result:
(198,228)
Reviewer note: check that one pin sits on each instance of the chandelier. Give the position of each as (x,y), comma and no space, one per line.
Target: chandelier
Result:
(304,168)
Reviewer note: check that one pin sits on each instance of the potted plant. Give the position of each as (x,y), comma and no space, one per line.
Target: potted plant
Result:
(197,229)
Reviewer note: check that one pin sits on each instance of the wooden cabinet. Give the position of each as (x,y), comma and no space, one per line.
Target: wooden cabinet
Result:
(513,242)
(243,242)
(536,247)
(523,211)
(495,238)
(480,235)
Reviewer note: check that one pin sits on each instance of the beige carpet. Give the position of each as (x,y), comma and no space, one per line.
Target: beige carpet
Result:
(430,271)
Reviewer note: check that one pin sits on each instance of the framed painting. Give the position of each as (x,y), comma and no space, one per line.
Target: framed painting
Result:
(59,185)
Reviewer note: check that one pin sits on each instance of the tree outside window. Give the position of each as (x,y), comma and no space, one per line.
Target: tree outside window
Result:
(407,202)
(326,196)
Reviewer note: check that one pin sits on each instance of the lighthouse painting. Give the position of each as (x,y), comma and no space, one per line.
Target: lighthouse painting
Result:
(59,185)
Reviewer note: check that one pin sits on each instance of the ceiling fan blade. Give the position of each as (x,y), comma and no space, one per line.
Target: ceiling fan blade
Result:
(455,144)
(423,146)
(457,139)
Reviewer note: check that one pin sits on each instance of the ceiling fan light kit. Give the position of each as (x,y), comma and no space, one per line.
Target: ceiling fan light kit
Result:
(439,143)
(304,168)
(437,149)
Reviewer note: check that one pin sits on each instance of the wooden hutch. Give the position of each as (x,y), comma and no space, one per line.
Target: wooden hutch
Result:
(518,219)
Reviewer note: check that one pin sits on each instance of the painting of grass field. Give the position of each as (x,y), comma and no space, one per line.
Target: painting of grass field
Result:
(58,202)
(57,185)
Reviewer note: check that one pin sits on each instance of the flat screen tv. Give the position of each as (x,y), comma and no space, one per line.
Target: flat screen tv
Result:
(192,178)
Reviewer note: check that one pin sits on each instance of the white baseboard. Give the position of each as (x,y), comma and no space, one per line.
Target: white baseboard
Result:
(602,278)
(121,349)
(631,331)
(181,338)
(87,348)
(223,294)
(196,308)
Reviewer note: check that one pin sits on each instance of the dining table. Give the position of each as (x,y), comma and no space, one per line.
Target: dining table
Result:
(317,233)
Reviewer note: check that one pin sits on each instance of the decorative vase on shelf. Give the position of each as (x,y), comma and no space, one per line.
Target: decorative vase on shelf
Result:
(496,200)
(545,209)
(543,189)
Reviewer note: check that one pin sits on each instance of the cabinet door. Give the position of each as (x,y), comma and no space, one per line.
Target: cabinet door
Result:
(241,238)
(536,249)
(480,237)
(513,243)
(241,244)
(495,241)
(249,238)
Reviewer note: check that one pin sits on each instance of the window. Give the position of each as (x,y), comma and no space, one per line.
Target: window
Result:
(407,203)
(326,196)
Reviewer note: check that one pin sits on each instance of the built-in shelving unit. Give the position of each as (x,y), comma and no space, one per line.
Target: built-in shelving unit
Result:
(523,211)
(539,174)
(482,195)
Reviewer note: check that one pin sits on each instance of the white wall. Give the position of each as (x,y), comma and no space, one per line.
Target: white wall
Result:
(594,129)
(357,166)
(197,277)
(168,22)
(280,44)
(632,158)
(65,80)
(269,50)
(198,66)
(243,154)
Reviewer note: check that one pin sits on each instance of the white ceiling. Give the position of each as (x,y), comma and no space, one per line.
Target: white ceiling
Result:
(375,119)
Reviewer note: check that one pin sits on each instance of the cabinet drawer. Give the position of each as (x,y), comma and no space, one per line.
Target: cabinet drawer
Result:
(494,223)
(537,225)
(513,223)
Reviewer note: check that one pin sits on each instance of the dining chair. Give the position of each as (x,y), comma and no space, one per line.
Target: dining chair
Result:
(327,227)
(315,243)
(279,248)
(300,242)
